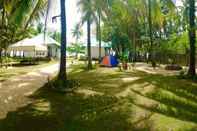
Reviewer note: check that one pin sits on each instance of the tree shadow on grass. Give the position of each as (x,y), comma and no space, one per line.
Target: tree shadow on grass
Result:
(53,111)
(175,97)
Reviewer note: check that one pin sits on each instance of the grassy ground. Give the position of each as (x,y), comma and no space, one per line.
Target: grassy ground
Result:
(109,100)
(14,71)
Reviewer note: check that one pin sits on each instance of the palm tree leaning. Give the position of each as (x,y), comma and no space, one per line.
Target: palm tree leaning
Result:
(192,38)
(62,71)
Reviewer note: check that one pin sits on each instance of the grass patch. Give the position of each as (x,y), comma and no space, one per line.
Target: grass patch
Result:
(109,100)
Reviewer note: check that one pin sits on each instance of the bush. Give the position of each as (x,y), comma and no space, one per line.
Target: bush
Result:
(29,61)
(34,61)
(173,67)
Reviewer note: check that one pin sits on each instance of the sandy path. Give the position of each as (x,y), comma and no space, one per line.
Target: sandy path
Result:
(14,92)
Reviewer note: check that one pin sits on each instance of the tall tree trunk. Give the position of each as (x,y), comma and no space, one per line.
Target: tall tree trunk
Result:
(0,57)
(89,44)
(62,71)
(150,32)
(192,38)
(2,24)
(99,31)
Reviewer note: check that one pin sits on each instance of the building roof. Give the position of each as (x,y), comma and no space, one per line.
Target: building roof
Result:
(36,41)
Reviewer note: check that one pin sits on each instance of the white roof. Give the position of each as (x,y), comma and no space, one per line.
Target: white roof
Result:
(36,41)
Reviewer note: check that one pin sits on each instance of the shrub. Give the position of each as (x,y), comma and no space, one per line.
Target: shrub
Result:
(173,67)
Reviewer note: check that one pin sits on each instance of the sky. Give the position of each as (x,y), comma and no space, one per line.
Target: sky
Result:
(73,17)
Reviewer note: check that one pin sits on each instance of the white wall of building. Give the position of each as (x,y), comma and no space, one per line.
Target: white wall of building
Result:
(95,52)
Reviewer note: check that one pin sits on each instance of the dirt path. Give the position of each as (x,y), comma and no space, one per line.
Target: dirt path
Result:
(14,92)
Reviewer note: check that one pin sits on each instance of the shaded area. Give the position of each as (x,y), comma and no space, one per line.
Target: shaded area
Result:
(109,100)
(57,112)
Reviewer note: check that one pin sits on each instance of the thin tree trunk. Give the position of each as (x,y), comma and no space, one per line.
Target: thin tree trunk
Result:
(62,71)
(0,57)
(99,31)
(192,38)
(2,24)
(89,44)
(150,31)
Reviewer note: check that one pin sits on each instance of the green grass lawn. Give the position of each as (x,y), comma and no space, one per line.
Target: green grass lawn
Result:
(109,100)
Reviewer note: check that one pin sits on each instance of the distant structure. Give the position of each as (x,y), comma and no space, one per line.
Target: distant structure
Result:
(35,47)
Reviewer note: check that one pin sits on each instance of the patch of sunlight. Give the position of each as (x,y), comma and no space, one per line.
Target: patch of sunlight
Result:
(28,93)
(22,85)
(166,123)
(33,74)
(10,98)
(194,84)
(124,93)
(110,85)
(42,106)
(107,71)
(88,92)
(130,79)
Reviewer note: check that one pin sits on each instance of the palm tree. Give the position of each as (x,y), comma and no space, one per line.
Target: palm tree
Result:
(62,70)
(156,17)
(37,12)
(77,33)
(88,15)
(150,31)
(99,6)
(15,20)
(192,38)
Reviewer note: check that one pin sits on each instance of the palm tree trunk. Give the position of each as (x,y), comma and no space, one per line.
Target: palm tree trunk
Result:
(192,38)
(62,71)
(150,31)
(89,44)
(2,24)
(99,31)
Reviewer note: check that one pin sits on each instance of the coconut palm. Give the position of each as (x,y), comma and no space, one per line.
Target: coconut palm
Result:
(88,16)
(77,32)
(62,70)
(100,7)
(156,17)
(192,38)
(14,21)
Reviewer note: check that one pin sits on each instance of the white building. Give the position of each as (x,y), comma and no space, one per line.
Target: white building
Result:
(37,46)
(95,48)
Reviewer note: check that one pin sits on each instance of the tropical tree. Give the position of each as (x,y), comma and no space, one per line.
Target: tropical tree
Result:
(88,16)
(77,32)
(192,38)
(62,71)
(100,7)
(14,21)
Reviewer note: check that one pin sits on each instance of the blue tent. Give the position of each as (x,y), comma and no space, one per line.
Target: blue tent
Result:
(109,61)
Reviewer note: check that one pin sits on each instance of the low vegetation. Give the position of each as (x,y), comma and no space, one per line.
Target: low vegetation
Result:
(111,100)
